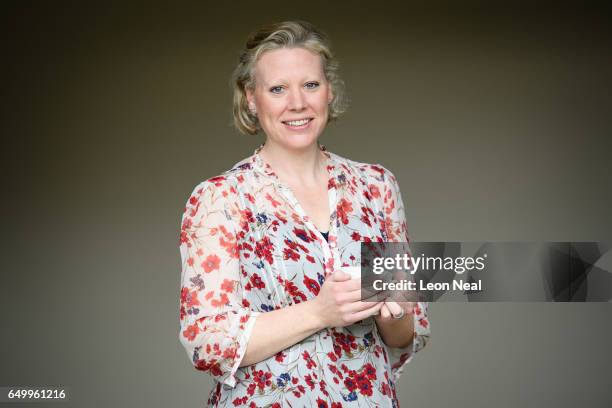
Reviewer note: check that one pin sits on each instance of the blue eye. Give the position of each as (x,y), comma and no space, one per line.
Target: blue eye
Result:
(276,89)
(311,85)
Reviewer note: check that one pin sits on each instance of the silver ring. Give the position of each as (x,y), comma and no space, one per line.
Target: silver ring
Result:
(399,316)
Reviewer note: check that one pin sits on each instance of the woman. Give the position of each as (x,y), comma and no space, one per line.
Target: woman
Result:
(265,307)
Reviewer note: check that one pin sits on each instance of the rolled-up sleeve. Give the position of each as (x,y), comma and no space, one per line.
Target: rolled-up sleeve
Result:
(215,320)
(396,231)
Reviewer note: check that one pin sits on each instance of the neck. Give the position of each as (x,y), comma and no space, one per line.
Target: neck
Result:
(305,166)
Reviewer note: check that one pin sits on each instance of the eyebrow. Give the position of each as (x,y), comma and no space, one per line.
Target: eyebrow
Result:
(283,82)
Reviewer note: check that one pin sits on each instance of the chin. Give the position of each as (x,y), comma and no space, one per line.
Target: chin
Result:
(300,141)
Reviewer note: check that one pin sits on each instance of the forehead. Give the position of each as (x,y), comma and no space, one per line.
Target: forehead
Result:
(285,64)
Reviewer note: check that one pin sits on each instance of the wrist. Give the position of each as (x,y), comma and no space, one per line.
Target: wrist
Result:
(314,314)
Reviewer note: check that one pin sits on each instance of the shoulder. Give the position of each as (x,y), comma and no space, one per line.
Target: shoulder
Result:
(371,173)
(220,189)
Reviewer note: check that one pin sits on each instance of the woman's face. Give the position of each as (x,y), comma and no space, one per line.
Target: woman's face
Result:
(291,97)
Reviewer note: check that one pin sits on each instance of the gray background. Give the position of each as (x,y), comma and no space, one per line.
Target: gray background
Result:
(495,120)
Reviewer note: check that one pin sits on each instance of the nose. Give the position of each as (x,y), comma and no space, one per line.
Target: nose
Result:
(297,101)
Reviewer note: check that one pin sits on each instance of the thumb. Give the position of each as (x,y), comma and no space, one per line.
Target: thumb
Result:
(394,308)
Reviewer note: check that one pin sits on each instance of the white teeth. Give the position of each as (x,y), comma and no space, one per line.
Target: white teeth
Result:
(298,122)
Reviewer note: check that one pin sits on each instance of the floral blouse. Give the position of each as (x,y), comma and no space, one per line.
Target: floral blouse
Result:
(247,247)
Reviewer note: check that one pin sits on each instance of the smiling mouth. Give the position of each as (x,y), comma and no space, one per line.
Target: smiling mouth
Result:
(298,123)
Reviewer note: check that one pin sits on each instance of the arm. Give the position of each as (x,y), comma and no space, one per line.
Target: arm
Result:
(215,324)
(406,336)
(337,304)
(280,329)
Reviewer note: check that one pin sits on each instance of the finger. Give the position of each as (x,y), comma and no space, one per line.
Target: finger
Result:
(394,308)
(384,311)
(349,285)
(407,306)
(364,314)
(339,276)
(357,295)
(359,306)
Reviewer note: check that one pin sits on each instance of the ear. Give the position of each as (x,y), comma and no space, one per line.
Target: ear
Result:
(250,97)
(330,95)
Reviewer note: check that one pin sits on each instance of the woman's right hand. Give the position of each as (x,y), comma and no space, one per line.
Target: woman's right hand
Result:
(339,303)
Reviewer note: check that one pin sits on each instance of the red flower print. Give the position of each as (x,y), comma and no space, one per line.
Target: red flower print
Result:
(184,294)
(190,297)
(350,384)
(312,285)
(280,356)
(293,291)
(272,201)
(309,361)
(230,247)
(281,217)
(374,191)
(183,239)
(369,371)
(364,384)
(229,352)
(257,282)
(309,381)
(321,403)
(227,286)
(384,389)
(343,209)
(347,342)
(262,379)
(377,169)
(211,263)
(217,180)
(417,309)
(187,224)
(264,248)
(301,234)
(355,236)
(296,218)
(191,332)
(212,366)
(223,300)
(289,254)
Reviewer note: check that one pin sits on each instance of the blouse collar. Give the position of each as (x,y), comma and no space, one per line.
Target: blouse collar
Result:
(333,166)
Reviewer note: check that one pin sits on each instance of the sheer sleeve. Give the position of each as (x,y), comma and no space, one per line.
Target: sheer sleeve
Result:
(396,231)
(215,324)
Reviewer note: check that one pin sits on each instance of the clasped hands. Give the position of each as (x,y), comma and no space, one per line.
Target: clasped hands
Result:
(339,303)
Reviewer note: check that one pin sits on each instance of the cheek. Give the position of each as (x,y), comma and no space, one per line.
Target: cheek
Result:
(321,102)
(271,109)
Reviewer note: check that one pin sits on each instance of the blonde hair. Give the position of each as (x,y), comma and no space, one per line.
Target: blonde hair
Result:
(287,34)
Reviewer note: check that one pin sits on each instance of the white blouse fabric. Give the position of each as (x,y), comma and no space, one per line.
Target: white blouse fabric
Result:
(247,247)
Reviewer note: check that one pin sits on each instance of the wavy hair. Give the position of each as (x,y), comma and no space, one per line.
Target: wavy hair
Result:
(287,34)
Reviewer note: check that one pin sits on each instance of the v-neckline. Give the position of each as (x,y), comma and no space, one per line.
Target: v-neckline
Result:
(291,197)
